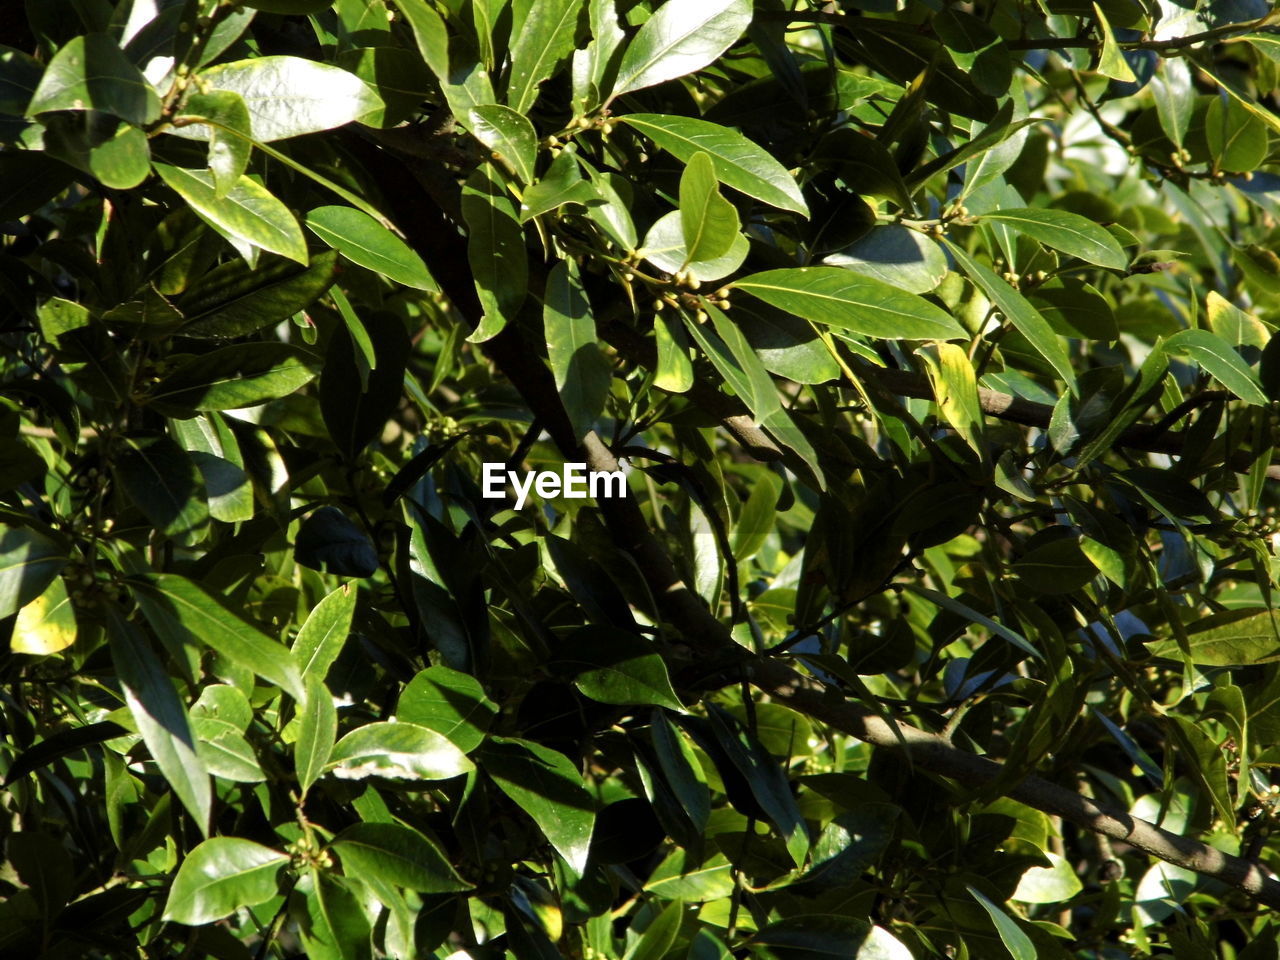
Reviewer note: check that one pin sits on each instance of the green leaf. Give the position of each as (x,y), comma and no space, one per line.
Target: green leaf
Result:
(896,255)
(290,96)
(396,855)
(216,453)
(681,877)
(976,49)
(1056,883)
(495,250)
(356,412)
(234,299)
(709,221)
(450,703)
(1233,638)
(317,731)
(844,300)
(1174,96)
(111,150)
(1015,941)
(614,667)
(160,716)
(545,784)
(45,625)
(181,608)
(225,752)
(738,162)
(1018,311)
(1220,361)
(332,923)
(1238,140)
(230,378)
(674,370)
(91,73)
(228,133)
(362,240)
(561,184)
(220,876)
(1069,232)
(742,369)
(509,134)
(325,632)
(403,751)
(162,479)
(681,37)
(44,867)
(581,371)
(682,771)
(660,936)
(664,247)
(539,43)
(247,212)
(29,563)
(1111,63)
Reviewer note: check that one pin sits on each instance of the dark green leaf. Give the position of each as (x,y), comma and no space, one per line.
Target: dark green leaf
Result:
(581,371)
(91,73)
(29,562)
(162,479)
(548,788)
(495,249)
(325,631)
(396,855)
(233,299)
(242,375)
(614,667)
(181,608)
(508,133)
(1220,361)
(329,541)
(450,703)
(708,221)
(356,413)
(543,38)
(1069,232)
(1230,639)
(221,875)
(317,732)
(161,718)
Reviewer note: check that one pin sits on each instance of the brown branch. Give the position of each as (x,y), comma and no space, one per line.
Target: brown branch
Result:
(1152,437)
(681,608)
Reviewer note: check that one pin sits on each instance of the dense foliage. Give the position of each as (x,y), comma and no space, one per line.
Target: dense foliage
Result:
(935,342)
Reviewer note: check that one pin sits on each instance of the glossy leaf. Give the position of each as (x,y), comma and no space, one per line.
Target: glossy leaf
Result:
(228,133)
(396,855)
(322,636)
(401,751)
(317,732)
(247,211)
(91,72)
(1018,311)
(543,38)
(508,133)
(581,371)
(160,716)
(361,239)
(234,300)
(450,703)
(615,667)
(1219,360)
(45,625)
(739,163)
(1231,638)
(1068,232)
(847,301)
(708,221)
(221,875)
(181,608)
(1015,941)
(29,563)
(495,250)
(243,375)
(162,479)
(290,96)
(548,788)
(681,37)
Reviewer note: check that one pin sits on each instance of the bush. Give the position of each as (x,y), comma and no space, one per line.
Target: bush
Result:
(935,345)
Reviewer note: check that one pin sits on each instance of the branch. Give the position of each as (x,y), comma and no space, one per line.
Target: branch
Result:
(932,753)
(1152,437)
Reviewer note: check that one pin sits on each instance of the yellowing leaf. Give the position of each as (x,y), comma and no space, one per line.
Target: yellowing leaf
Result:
(47,624)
